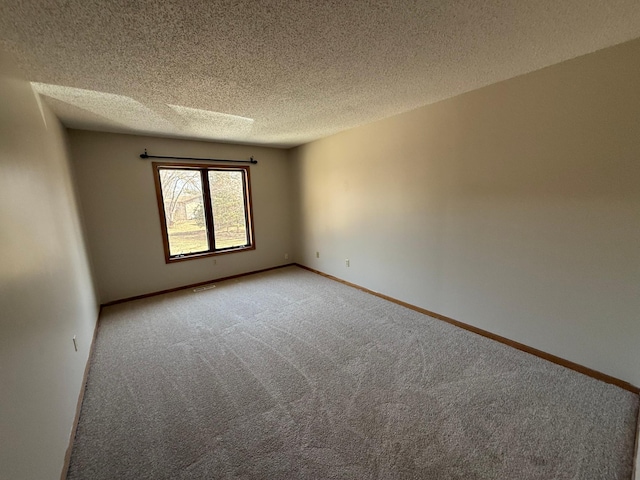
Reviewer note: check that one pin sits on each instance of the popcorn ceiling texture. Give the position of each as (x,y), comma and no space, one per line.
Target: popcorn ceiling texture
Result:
(300,70)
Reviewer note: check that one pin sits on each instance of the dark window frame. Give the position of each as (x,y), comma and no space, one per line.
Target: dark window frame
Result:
(208,213)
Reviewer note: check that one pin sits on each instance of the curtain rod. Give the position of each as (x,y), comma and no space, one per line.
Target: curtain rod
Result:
(146,155)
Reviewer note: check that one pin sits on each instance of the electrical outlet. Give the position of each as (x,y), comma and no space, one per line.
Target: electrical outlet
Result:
(286,256)
(317,254)
(347,262)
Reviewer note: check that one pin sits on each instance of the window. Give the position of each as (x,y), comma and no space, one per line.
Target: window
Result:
(204,210)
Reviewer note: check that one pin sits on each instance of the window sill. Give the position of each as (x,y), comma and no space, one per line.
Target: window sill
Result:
(193,256)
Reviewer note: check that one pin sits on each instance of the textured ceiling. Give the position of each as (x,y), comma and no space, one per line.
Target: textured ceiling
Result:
(283,73)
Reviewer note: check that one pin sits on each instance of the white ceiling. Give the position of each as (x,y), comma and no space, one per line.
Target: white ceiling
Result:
(283,73)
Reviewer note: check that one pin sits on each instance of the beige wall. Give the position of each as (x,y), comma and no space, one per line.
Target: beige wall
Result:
(46,293)
(514,208)
(118,198)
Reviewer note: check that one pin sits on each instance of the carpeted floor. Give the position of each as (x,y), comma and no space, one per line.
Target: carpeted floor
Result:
(289,375)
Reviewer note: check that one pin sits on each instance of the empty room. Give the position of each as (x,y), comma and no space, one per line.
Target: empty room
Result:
(319,240)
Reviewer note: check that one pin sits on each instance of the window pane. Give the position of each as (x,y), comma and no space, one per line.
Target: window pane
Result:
(227,202)
(184,211)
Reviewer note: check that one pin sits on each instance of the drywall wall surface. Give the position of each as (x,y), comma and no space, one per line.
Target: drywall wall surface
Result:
(46,292)
(514,208)
(118,198)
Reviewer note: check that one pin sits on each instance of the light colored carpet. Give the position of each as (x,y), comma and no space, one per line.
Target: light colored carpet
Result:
(289,375)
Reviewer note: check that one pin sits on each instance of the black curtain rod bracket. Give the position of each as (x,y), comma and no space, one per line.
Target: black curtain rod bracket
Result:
(146,155)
